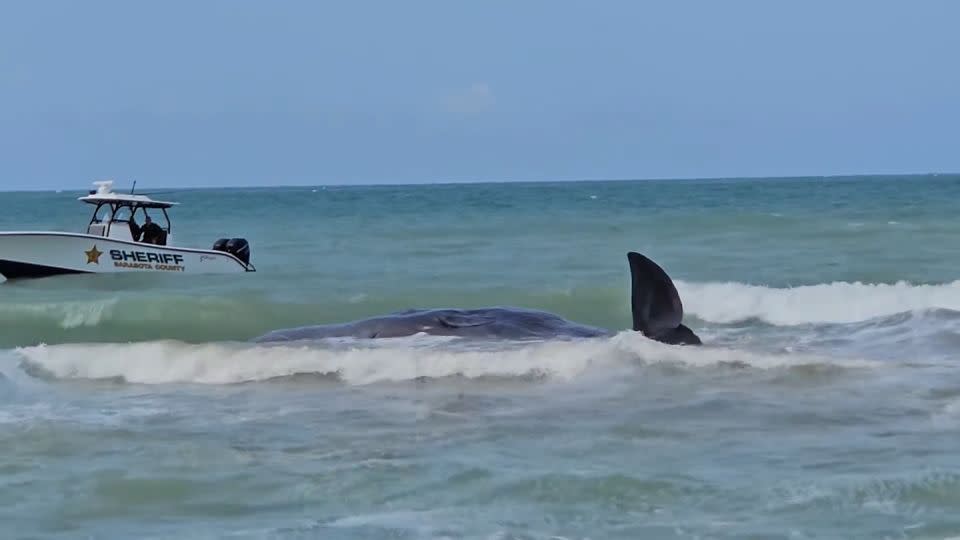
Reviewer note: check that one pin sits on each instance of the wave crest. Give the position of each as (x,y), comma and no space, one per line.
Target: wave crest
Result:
(828,303)
(387,360)
(217,319)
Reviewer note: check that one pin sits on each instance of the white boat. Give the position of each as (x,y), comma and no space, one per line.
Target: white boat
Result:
(117,239)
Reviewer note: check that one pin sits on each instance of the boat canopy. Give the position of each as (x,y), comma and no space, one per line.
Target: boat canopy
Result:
(105,194)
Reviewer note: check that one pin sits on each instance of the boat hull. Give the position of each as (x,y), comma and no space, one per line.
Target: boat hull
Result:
(43,254)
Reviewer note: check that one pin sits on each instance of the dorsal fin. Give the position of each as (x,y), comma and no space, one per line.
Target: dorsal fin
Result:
(654,300)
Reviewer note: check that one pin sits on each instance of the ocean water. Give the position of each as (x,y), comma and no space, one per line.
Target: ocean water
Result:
(825,402)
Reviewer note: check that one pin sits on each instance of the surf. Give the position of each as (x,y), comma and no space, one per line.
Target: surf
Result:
(200,319)
(826,303)
(360,362)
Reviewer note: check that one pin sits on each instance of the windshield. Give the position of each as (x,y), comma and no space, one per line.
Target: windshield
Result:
(101,214)
(122,214)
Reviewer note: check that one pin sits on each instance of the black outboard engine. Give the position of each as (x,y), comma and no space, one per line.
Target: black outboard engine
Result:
(238,247)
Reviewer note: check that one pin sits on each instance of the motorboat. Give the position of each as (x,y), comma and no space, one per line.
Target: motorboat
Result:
(127,233)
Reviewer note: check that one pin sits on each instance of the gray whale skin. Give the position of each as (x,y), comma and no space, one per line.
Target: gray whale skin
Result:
(654,301)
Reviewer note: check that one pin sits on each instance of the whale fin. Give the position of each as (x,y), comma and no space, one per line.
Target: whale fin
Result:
(681,335)
(655,302)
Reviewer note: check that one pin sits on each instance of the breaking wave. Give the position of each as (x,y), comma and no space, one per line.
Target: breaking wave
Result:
(212,318)
(388,360)
(829,303)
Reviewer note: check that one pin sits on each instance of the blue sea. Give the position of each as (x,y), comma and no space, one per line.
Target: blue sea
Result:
(825,402)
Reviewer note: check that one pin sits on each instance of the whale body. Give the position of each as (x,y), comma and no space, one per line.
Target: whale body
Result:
(654,301)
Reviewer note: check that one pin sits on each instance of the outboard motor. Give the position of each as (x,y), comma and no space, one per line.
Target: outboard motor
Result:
(240,248)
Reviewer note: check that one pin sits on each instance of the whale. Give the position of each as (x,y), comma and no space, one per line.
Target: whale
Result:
(655,305)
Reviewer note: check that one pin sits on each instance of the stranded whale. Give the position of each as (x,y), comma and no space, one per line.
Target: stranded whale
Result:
(654,301)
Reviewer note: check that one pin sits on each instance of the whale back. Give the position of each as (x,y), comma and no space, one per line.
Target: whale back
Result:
(655,303)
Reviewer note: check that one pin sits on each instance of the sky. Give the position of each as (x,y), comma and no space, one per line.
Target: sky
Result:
(235,92)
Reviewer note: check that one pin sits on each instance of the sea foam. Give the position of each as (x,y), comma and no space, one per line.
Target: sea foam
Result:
(385,360)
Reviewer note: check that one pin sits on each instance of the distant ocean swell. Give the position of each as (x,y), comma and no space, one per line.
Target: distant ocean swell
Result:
(209,319)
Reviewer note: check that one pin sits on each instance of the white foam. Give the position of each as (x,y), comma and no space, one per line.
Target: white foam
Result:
(837,303)
(31,413)
(948,416)
(159,362)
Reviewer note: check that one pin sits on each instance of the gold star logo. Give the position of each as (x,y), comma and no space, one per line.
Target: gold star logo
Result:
(93,256)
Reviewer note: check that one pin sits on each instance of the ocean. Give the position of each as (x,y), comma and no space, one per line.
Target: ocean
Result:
(825,402)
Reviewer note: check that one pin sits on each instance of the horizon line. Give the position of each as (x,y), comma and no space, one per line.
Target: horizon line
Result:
(488,182)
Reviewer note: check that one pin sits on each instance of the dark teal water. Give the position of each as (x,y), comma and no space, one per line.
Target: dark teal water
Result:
(824,405)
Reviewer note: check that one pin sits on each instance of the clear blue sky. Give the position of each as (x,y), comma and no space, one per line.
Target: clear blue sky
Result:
(235,92)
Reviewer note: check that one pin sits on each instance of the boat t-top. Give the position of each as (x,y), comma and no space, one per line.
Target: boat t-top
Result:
(123,235)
